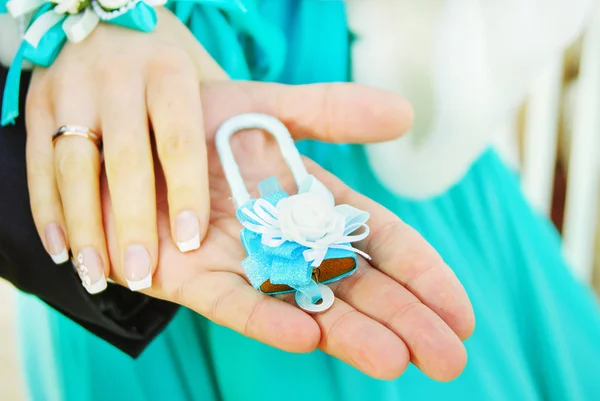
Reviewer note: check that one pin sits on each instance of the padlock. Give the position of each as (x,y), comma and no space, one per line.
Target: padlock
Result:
(293,243)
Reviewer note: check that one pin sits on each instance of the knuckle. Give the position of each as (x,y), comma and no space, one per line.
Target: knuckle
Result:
(184,194)
(171,61)
(214,312)
(382,239)
(40,170)
(253,317)
(37,99)
(178,293)
(81,225)
(341,322)
(43,209)
(385,235)
(123,159)
(421,267)
(114,70)
(399,311)
(73,165)
(354,282)
(134,223)
(328,107)
(67,77)
(177,145)
(418,262)
(42,199)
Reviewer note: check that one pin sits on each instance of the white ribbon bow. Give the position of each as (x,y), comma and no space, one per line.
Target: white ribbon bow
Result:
(265,219)
(76,25)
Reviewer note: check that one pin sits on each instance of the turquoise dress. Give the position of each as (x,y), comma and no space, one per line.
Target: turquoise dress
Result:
(538,329)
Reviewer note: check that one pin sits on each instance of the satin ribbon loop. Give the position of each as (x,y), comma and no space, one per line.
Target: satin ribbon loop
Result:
(20,8)
(79,27)
(41,26)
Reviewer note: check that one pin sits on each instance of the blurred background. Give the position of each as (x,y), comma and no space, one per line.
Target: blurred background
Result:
(554,144)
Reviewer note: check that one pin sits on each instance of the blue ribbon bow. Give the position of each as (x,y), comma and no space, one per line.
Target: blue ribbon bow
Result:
(283,264)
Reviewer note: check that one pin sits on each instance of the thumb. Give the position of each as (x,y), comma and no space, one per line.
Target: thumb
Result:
(332,112)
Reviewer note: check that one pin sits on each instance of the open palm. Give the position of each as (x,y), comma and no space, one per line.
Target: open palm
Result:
(404,305)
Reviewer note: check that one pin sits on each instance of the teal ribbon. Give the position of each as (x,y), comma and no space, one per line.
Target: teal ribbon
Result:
(283,264)
(141,18)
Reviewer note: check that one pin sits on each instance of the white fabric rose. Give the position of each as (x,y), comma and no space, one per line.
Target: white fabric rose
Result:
(308,219)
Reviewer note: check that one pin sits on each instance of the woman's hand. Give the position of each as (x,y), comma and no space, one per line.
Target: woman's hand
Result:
(123,85)
(405,304)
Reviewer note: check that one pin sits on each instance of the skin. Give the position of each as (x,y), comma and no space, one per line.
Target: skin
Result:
(404,305)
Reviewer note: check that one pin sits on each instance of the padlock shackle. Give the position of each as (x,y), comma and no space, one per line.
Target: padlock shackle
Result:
(255,121)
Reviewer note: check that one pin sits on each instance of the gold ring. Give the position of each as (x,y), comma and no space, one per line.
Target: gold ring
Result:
(76,130)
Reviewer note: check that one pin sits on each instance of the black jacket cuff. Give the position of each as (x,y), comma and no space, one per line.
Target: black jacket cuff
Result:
(126,319)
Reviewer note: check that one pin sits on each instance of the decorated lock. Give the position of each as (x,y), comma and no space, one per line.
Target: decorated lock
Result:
(294,243)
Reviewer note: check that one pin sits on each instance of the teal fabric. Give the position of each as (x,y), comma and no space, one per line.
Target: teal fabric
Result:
(538,329)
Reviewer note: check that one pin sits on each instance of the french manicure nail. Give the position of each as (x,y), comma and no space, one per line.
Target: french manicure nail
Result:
(55,241)
(137,268)
(91,270)
(187,231)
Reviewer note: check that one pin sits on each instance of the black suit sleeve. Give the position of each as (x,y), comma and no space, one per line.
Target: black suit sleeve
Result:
(126,319)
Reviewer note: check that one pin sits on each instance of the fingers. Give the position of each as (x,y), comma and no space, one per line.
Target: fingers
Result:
(433,346)
(44,197)
(176,114)
(77,169)
(355,338)
(130,174)
(227,299)
(351,336)
(339,112)
(401,253)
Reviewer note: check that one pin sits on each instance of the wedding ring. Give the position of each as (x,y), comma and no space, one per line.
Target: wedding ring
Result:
(327,300)
(76,130)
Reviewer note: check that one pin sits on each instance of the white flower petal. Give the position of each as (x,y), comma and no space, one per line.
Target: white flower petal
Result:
(315,187)
(19,8)
(312,234)
(352,214)
(310,214)
(78,27)
(289,230)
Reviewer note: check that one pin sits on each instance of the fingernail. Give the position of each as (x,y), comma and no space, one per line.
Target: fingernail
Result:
(55,241)
(91,270)
(137,267)
(187,231)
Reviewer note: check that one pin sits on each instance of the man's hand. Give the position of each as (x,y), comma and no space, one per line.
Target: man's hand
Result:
(405,305)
